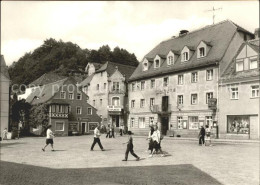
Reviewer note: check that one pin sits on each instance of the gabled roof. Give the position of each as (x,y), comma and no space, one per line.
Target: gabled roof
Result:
(44,93)
(110,68)
(218,35)
(4,69)
(230,73)
(47,78)
(87,80)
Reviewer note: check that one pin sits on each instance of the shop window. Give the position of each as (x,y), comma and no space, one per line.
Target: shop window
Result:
(209,121)
(193,122)
(180,79)
(255,91)
(181,123)
(141,122)
(59,126)
(238,124)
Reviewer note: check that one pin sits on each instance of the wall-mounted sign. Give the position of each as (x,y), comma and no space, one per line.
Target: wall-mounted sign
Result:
(73,126)
(212,103)
(92,126)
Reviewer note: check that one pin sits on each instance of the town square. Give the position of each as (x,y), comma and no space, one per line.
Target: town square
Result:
(111,92)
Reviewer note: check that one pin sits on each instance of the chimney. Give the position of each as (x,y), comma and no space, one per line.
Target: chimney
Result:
(257,33)
(183,32)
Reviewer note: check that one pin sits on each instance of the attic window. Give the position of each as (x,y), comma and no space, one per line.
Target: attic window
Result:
(157,63)
(145,66)
(240,65)
(170,60)
(185,56)
(202,52)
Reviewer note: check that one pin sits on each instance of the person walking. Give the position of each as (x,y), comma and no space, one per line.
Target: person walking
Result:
(202,136)
(96,139)
(130,147)
(113,131)
(108,132)
(208,139)
(156,138)
(49,138)
(150,144)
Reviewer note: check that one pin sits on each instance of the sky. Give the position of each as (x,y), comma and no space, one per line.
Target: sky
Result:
(135,26)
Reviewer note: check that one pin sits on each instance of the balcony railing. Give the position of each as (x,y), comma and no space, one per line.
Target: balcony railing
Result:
(58,115)
(116,91)
(161,108)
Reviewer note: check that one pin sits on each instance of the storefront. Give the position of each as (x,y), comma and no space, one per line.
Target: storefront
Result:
(115,115)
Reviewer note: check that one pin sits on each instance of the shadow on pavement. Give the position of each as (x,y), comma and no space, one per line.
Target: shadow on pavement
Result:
(10,144)
(184,174)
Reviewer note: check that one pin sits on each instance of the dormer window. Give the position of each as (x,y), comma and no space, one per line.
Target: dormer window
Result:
(157,63)
(202,52)
(170,60)
(240,65)
(145,66)
(185,56)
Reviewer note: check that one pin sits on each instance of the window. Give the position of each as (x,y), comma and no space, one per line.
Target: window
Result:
(152,84)
(145,66)
(142,102)
(238,124)
(62,95)
(209,95)
(142,85)
(209,121)
(157,63)
(151,120)
(138,85)
(180,79)
(170,60)
(115,101)
(59,126)
(180,99)
(133,86)
(181,124)
(115,86)
(253,63)
(194,99)
(78,110)
(94,103)
(202,52)
(69,109)
(79,96)
(60,108)
(133,103)
(165,81)
(100,102)
(97,87)
(141,123)
(151,102)
(89,111)
(209,74)
(193,122)
(240,65)
(105,85)
(255,91)
(234,93)
(194,77)
(71,96)
(132,123)
(185,56)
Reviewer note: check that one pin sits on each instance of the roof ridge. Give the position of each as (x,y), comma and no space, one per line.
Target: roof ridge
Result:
(121,64)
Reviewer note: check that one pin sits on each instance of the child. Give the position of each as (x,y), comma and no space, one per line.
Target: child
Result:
(130,147)
(5,132)
(207,139)
(49,138)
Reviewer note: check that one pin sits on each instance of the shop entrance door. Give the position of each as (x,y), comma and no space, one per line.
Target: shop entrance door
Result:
(165,102)
(115,120)
(165,125)
(83,128)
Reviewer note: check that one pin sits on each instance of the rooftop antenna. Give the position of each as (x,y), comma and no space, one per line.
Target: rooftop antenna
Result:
(213,11)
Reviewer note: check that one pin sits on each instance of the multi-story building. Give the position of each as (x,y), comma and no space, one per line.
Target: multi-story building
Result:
(68,110)
(239,94)
(176,84)
(4,96)
(108,93)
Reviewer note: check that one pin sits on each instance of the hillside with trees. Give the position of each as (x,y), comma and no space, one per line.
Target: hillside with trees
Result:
(62,57)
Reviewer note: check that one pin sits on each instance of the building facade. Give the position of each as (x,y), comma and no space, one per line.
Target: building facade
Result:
(107,92)
(4,96)
(239,89)
(69,112)
(176,84)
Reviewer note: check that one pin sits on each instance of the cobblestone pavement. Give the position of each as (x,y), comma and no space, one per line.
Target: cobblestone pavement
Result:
(228,163)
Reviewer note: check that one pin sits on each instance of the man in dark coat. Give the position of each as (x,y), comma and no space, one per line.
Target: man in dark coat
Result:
(202,136)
